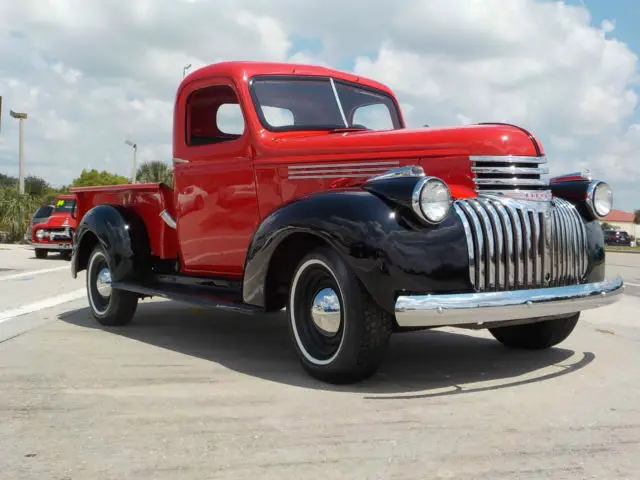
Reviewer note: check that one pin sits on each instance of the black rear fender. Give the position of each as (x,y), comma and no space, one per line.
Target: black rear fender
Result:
(123,235)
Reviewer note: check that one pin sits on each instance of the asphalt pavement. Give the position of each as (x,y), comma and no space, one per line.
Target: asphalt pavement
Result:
(183,393)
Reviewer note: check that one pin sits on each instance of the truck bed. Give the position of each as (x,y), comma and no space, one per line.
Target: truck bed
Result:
(148,200)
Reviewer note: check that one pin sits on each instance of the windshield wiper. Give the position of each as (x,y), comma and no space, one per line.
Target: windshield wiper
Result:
(348,129)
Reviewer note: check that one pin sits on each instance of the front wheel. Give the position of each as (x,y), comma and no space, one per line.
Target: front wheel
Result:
(109,306)
(41,253)
(339,332)
(536,336)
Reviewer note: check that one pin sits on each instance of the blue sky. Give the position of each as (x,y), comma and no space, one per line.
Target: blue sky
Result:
(529,62)
(626,16)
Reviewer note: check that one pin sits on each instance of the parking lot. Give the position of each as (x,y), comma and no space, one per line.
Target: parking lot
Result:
(187,394)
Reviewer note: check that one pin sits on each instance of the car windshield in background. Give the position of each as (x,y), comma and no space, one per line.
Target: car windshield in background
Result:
(43,212)
(65,205)
(318,103)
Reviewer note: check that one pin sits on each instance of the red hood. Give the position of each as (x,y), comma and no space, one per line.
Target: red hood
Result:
(442,152)
(463,140)
(58,220)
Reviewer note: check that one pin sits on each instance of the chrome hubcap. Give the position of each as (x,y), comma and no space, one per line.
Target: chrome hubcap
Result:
(325,312)
(104,282)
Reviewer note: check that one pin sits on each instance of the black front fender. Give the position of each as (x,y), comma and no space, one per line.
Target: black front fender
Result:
(123,235)
(385,245)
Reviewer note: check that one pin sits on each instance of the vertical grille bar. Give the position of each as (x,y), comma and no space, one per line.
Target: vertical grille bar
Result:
(584,260)
(547,225)
(471,244)
(517,247)
(573,244)
(498,241)
(535,247)
(510,258)
(478,238)
(490,269)
(526,249)
(563,247)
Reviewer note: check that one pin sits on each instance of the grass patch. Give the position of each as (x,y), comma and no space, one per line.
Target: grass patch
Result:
(616,248)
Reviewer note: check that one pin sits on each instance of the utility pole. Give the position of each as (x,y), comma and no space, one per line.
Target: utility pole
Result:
(21,118)
(135,149)
(184,70)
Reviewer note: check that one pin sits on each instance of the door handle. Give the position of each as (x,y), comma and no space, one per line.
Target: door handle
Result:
(179,160)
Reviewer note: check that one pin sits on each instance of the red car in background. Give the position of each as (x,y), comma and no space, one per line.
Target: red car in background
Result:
(56,233)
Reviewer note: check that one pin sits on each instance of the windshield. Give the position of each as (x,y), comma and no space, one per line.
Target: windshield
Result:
(43,212)
(318,103)
(64,205)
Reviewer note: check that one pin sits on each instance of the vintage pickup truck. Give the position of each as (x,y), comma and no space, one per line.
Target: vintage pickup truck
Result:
(55,233)
(301,187)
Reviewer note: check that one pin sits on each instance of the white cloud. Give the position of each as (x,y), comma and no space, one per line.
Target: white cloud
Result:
(91,74)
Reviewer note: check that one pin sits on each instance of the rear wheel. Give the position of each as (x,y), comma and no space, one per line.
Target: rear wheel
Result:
(41,253)
(109,306)
(339,332)
(536,336)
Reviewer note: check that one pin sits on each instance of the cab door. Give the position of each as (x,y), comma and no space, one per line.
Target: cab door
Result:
(215,191)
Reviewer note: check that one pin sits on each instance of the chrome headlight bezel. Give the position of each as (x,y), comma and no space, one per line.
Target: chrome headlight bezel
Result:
(591,201)
(417,200)
(40,234)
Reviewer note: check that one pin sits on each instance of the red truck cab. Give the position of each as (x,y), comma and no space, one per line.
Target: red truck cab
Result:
(301,187)
(55,234)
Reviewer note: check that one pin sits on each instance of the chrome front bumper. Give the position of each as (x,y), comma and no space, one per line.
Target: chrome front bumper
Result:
(51,246)
(481,308)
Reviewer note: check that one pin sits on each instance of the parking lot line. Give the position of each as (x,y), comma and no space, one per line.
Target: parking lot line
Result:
(41,305)
(632,284)
(16,276)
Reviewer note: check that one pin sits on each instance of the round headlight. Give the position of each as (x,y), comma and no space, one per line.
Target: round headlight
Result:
(600,199)
(431,199)
(40,234)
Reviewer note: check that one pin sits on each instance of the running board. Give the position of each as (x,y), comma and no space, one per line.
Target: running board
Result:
(198,296)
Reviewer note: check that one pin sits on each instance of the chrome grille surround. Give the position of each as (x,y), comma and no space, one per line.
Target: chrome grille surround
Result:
(508,173)
(517,245)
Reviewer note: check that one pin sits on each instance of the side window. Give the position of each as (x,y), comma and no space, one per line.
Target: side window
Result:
(375,116)
(213,115)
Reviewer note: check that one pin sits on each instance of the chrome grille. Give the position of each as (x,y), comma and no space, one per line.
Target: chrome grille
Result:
(499,173)
(513,245)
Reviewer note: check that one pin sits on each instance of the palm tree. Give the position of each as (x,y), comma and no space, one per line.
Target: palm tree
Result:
(15,212)
(155,172)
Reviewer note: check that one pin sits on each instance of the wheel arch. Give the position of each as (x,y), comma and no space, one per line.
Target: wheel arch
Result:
(282,264)
(121,232)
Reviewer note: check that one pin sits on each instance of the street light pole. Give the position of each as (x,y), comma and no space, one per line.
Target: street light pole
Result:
(184,70)
(21,118)
(135,149)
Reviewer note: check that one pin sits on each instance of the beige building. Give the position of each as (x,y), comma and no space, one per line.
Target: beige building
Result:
(623,221)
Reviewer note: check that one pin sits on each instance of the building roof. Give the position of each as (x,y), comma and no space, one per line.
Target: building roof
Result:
(619,216)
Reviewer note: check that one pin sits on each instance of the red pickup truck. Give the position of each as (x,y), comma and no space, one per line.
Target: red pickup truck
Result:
(55,234)
(301,187)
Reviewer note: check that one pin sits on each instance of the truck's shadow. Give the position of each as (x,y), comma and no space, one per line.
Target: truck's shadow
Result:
(418,364)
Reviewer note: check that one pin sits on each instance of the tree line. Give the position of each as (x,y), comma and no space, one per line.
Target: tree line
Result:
(16,209)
